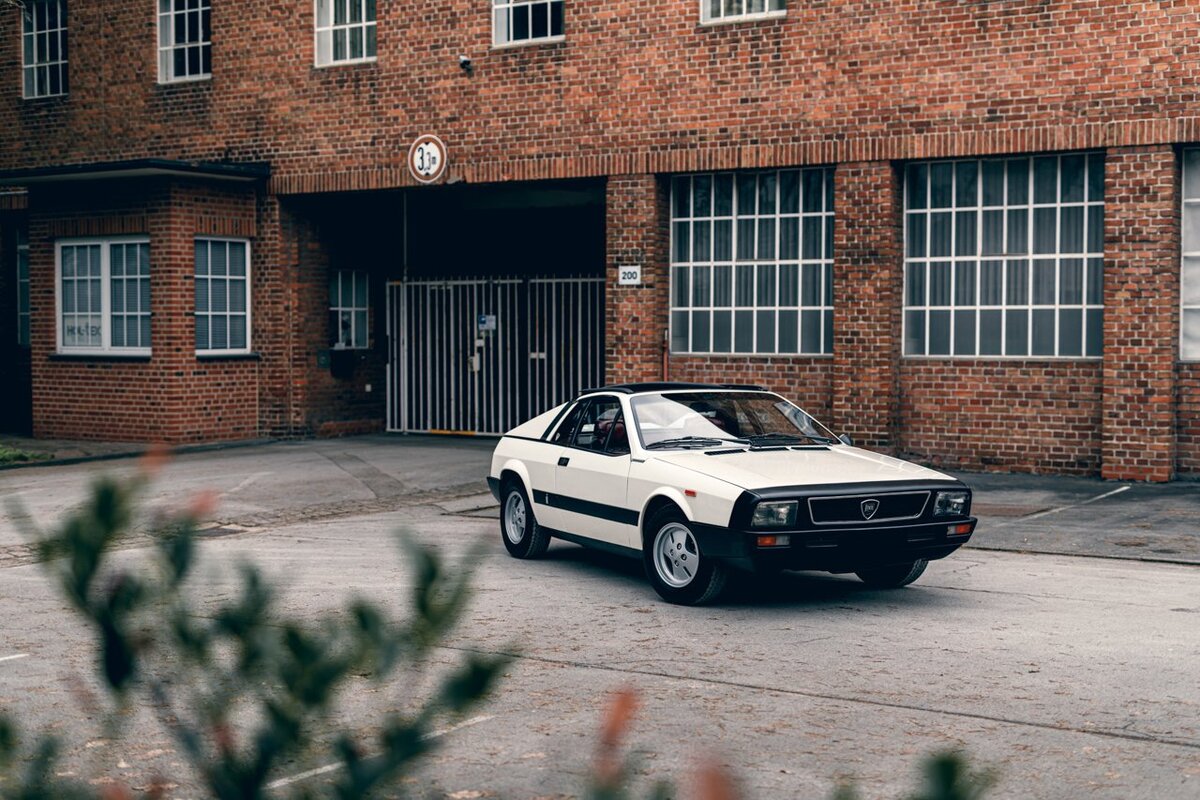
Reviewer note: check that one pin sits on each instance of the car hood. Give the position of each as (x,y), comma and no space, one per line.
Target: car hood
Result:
(762,469)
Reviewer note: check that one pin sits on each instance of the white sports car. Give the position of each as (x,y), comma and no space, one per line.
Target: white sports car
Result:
(696,479)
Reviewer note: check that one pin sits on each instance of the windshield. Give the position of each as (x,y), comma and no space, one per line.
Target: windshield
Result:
(699,419)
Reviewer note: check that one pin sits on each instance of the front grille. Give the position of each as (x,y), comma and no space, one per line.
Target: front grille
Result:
(848,509)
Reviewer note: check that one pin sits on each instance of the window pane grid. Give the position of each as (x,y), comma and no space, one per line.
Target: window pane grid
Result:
(752,263)
(1189,333)
(515,21)
(222,309)
(1004,257)
(104,296)
(348,309)
(44,48)
(185,40)
(345,31)
(22,289)
(730,10)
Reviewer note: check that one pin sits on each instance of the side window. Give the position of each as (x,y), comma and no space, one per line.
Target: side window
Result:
(597,423)
(566,429)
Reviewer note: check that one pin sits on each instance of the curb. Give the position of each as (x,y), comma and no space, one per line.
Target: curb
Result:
(182,449)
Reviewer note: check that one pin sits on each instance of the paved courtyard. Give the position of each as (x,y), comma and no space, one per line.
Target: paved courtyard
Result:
(1069,675)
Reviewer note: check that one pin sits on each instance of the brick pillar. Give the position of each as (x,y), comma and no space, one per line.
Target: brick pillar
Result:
(635,316)
(867,299)
(1141,312)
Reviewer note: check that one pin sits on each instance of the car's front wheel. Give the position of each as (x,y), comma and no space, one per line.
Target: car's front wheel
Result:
(677,569)
(893,576)
(519,528)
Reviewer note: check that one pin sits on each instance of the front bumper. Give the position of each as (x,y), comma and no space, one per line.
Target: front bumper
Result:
(835,549)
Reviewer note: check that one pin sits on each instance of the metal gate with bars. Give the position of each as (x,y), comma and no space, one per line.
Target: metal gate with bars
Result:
(484,355)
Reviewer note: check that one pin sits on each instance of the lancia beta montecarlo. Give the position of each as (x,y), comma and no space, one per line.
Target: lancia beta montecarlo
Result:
(699,479)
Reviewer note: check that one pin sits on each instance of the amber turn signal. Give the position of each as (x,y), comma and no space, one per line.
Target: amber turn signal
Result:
(959,530)
(774,541)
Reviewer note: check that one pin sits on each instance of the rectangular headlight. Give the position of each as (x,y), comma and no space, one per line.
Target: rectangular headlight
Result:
(951,504)
(774,515)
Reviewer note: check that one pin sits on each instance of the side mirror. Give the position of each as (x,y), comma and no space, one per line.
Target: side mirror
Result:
(846,440)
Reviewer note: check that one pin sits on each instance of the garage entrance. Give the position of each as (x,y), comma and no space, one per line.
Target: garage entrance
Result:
(500,315)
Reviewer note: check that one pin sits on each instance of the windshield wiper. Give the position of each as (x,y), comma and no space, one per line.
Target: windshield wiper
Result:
(786,438)
(690,441)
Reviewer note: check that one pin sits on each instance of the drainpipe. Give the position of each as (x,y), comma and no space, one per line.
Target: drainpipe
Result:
(666,352)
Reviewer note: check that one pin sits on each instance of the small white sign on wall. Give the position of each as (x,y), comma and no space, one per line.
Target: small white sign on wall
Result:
(629,276)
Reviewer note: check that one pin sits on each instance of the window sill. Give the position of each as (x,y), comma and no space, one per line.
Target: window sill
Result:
(190,81)
(114,357)
(253,355)
(751,355)
(766,15)
(349,62)
(530,42)
(46,98)
(1009,359)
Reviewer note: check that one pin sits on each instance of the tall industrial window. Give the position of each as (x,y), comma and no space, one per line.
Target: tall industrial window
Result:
(752,262)
(222,296)
(345,31)
(1005,257)
(184,40)
(515,21)
(1190,277)
(44,47)
(22,289)
(104,296)
(736,10)
(348,308)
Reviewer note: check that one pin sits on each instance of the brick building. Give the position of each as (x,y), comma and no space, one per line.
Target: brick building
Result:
(963,231)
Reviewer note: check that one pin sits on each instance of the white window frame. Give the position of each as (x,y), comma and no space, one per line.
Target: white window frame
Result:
(977,258)
(336,309)
(328,30)
(745,16)
(506,7)
(824,263)
(106,348)
(229,351)
(31,40)
(167,45)
(24,318)
(1185,254)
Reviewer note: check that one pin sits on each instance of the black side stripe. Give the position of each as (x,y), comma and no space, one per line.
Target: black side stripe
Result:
(586,507)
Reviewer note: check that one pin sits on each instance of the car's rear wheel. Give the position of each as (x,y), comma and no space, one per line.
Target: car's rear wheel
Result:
(519,529)
(677,569)
(893,576)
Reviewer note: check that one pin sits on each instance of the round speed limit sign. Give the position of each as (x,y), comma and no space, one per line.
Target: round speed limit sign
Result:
(427,158)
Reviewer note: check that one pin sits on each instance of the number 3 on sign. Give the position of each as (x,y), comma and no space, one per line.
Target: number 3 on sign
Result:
(629,276)
(427,158)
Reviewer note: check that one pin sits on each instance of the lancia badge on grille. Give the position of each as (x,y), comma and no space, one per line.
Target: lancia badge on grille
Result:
(869,507)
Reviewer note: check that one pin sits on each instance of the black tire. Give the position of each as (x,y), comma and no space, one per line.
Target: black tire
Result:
(893,576)
(528,539)
(691,580)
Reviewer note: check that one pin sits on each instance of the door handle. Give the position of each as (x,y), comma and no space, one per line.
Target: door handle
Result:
(563,461)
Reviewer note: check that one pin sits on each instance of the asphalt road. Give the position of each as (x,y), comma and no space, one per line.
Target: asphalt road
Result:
(1070,677)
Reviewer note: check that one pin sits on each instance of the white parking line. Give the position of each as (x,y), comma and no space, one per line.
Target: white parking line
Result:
(14,658)
(1050,511)
(335,767)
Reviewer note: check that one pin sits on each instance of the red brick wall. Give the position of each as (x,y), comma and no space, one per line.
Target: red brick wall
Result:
(1187,454)
(636,316)
(868,281)
(1141,312)
(172,396)
(632,89)
(807,382)
(1026,416)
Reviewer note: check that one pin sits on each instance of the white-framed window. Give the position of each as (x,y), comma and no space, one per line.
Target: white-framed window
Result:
(713,11)
(1004,257)
(44,48)
(22,289)
(752,262)
(518,21)
(1189,323)
(345,31)
(348,309)
(184,40)
(103,295)
(222,278)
